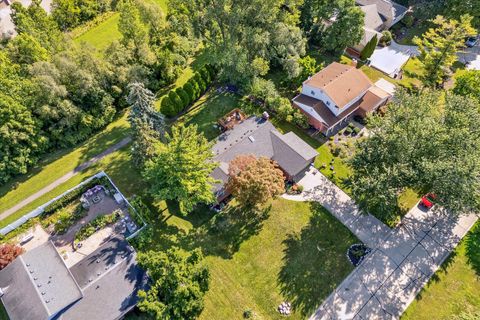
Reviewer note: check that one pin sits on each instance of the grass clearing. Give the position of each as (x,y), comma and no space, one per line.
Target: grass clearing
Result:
(455,287)
(103,34)
(291,251)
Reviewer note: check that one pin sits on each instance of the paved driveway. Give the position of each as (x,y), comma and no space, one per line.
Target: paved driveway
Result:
(402,259)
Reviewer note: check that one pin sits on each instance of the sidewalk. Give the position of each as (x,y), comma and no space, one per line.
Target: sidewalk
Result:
(402,259)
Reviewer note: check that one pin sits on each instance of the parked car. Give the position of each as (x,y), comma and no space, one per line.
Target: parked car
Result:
(428,200)
(472,41)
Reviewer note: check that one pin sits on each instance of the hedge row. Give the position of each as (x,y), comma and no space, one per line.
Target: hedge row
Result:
(98,223)
(180,98)
(75,194)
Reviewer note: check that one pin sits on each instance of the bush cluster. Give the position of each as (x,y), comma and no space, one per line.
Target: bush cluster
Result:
(98,223)
(178,99)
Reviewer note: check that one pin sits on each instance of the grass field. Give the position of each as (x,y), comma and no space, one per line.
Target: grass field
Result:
(455,288)
(292,251)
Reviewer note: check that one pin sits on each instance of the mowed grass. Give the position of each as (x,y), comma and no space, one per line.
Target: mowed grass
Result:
(106,32)
(291,251)
(56,165)
(455,288)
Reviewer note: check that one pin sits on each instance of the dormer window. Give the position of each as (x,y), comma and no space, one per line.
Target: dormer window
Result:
(312,92)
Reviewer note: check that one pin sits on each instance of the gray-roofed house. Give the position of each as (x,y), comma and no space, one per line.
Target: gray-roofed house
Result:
(104,285)
(379,15)
(257,136)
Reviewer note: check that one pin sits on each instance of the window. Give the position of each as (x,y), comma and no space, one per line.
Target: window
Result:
(312,92)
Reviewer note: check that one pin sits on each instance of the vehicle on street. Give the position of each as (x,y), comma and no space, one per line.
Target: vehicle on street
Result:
(472,41)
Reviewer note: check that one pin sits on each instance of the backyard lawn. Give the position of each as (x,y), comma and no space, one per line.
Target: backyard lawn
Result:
(293,251)
(455,287)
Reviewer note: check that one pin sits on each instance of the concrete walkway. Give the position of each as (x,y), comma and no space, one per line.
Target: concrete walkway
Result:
(64,178)
(402,259)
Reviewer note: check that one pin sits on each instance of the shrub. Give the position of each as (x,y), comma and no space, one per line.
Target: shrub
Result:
(98,223)
(263,89)
(196,88)
(66,219)
(183,96)
(8,253)
(177,104)
(205,75)
(356,130)
(167,107)
(386,37)
(348,131)
(142,209)
(189,90)
(300,119)
(408,20)
(201,83)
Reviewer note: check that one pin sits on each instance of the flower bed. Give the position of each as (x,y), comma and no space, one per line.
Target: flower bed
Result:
(97,224)
(357,252)
(294,189)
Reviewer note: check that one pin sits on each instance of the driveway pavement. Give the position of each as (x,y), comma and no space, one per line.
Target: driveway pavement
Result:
(402,259)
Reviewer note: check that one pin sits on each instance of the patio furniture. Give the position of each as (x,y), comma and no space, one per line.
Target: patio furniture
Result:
(96,199)
(29,236)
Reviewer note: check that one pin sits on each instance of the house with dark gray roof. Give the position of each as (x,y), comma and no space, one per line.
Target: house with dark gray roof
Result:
(257,136)
(102,286)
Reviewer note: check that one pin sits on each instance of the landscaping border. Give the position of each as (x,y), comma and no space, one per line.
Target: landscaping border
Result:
(39,210)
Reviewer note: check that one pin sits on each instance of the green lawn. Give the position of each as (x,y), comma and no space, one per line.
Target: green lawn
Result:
(56,165)
(455,288)
(293,251)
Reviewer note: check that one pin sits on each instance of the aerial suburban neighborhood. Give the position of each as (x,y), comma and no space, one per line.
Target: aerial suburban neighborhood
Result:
(256,159)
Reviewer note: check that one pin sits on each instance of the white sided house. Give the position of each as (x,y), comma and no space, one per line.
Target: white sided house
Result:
(331,97)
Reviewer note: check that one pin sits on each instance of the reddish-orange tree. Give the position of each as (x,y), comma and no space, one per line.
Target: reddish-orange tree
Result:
(8,253)
(254,181)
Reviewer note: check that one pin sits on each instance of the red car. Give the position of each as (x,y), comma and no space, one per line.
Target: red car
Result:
(428,200)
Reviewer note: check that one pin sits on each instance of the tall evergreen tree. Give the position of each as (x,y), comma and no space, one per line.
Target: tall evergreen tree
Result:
(141,100)
(369,48)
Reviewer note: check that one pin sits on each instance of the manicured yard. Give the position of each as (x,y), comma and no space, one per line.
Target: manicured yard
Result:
(455,287)
(292,252)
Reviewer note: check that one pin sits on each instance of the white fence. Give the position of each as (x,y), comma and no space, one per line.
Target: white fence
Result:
(39,210)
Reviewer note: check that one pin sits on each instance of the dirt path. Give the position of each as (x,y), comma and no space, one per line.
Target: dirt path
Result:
(64,178)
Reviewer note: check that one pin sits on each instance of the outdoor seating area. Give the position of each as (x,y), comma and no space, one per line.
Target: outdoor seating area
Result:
(231,119)
(93,195)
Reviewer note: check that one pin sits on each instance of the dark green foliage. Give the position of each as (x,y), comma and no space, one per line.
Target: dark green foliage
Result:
(196,88)
(179,282)
(205,75)
(167,107)
(369,48)
(183,96)
(98,223)
(71,13)
(201,83)
(190,91)
(176,101)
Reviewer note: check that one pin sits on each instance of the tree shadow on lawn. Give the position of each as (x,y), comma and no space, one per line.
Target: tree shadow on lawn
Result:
(315,261)
(472,242)
(223,234)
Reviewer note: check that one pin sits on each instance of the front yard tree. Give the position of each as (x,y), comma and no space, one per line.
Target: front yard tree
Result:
(425,142)
(332,24)
(439,46)
(179,282)
(254,181)
(181,171)
(8,253)
(369,48)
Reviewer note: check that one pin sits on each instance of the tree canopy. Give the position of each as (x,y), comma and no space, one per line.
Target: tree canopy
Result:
(179,282)
(254,181)
(468,84)
(428,142)
(332,25)
(245,37)
(439,46)
(181,171)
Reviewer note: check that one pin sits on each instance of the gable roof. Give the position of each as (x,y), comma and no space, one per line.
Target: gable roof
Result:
(38,285)
(389,10)
(342,83)
(260,138)
(372,19)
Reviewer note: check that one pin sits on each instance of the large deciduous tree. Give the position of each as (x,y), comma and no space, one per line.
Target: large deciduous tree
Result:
(254,181)
(182,169)
(179,282)
(332,24)
(427,142)
(439,46)
(245,37)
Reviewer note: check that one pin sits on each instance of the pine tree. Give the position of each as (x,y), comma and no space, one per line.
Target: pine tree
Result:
(183,96)
(176,101)
(369,48)
(141,99)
